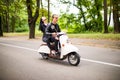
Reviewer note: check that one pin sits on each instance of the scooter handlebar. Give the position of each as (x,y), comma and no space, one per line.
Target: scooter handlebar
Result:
(61,33)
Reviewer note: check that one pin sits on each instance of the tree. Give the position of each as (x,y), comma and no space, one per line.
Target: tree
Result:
(42,6)
(1,30)
(2,8)
(8,14)
(116,15)
(105,17)
(32,17)
(3,20)
(7,4)
(89,16)
(48,11)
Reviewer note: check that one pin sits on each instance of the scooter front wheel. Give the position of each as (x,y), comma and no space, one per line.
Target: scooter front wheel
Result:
(74,58)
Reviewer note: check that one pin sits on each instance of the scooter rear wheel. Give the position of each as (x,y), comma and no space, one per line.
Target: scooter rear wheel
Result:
(44,55)
(74,58)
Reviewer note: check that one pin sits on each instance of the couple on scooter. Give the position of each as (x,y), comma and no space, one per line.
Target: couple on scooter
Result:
(50,33)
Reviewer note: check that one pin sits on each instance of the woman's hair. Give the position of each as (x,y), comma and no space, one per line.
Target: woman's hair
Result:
(41,21)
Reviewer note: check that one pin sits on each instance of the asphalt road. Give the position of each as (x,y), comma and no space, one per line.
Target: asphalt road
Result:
(19,60)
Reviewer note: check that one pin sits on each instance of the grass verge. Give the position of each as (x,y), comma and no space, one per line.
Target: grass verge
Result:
(96,36)
(109,36)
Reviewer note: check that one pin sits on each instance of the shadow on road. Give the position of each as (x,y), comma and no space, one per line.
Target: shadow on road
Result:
(58,62)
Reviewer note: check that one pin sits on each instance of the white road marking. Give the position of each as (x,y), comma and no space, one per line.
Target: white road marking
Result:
(18,46)
(89,60)
(100,62)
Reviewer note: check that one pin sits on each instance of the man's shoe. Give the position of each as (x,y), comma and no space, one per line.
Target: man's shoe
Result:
(53,52)
(57,54)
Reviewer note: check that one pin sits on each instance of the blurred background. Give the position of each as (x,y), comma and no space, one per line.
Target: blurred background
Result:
(75,16)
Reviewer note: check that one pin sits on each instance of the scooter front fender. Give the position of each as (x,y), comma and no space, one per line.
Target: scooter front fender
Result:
(68,48)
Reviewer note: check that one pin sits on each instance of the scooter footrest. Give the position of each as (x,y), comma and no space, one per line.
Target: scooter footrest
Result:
(43,44)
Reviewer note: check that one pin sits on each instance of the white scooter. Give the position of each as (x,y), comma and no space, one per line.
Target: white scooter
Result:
(66,49)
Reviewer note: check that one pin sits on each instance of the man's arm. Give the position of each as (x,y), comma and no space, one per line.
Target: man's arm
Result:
(47,30)
(58,27)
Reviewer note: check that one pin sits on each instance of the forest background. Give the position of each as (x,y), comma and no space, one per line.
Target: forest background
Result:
(75,16)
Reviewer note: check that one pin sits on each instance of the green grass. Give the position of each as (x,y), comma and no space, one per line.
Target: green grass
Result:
(16,34)
(109,36)
(96,36)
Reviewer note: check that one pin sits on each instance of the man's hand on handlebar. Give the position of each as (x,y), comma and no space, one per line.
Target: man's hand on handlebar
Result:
(54,34)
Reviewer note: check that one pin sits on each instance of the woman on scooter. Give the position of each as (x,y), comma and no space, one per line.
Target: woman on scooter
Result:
(51,31)
(42,27)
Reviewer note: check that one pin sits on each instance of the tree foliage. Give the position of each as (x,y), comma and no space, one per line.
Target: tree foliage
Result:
(24,15)
(11,15)
(116,15)
(89,16)
(14,15)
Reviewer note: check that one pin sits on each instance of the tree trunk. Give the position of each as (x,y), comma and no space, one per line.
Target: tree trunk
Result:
(83,16)
(105,17)
(7,16)
(32,18)
(48,11)
(98,5)
(1,31)
(116,17)
(32,30)
(42,7)
(13,23)
(110,13)
(7,22)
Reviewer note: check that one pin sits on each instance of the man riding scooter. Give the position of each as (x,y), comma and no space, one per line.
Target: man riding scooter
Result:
(51,31)
(58,47)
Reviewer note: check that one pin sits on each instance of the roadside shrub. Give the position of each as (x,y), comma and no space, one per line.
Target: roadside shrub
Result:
(111,29)
(21,29)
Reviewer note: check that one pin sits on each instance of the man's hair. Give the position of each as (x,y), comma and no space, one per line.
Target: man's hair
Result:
(54,15)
